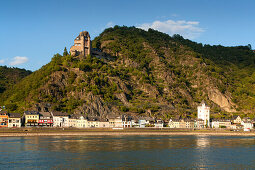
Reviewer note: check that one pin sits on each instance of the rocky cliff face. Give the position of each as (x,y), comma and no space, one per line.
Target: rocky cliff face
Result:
(221,100)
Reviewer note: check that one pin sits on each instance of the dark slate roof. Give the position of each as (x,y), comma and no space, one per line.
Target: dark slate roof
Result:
(93,119)
(31,113)
(45,114)
(147,118)
(235,116)
(3,112)
(221,120)
(76,116)
(14,115)
(59,114)
(73,116)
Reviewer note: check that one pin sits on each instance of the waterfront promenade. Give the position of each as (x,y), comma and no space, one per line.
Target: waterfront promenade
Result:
(109,131)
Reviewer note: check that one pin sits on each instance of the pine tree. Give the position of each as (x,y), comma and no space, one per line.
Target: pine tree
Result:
(65,53)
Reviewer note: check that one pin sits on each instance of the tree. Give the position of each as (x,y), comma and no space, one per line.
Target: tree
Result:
(249,46)
(65,53)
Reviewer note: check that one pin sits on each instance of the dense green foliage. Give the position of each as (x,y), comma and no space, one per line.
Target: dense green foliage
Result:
(11,76)
(233,66)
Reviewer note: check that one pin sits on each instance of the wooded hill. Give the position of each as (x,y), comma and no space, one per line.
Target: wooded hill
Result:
(144,73)
(11,76)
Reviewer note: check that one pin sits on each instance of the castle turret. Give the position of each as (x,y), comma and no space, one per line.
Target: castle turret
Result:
(82,45)
(203,112)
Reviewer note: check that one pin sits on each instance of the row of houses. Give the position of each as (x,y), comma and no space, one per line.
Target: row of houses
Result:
(235,123)
(60,119)
(9,119)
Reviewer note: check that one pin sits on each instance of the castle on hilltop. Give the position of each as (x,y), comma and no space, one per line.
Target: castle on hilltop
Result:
(82,45)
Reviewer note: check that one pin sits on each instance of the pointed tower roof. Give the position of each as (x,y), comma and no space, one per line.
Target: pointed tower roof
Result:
(203,103)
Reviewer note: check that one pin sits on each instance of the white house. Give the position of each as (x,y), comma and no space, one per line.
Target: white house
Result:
(104,124)
(81,121)
(115,122)
(14,120)
(126,121)
(159,123)
(217,123)
(247,125)
(203,112)
(72,120)
(60,119)
(93,122)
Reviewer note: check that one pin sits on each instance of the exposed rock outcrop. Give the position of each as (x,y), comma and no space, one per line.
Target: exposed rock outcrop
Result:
(223,101)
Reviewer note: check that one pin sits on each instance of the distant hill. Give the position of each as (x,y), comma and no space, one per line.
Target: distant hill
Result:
(144,73)
(10,76)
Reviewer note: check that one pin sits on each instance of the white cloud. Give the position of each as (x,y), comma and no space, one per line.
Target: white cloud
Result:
(109,24)
(2,61)
(188,29)
(18,60)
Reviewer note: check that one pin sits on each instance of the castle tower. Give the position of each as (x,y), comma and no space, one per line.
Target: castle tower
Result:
(82,45)
(203,112)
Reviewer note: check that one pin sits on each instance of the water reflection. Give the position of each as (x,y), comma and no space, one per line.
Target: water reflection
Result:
(202,142)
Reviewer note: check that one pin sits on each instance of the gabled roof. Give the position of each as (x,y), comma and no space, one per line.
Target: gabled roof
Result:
(93,119)
(221,120)
(114,117)
(56,113)
(203,102)
(45,114)
(31,113)
(14,115)
(147,118)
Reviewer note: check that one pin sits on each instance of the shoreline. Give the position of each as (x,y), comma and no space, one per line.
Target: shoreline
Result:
(123,133)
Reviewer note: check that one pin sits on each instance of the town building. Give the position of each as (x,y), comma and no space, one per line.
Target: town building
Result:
(73,120)
(247,125)
(221,123)
(174,123)
(135,122)
(30,118)
(115,122)
(82,45)
(181,123)
(190,123)
(14,120)
(3,119)
(141,123)
(104,124)
(126,121)
(159,123)
(82,122)
(45,119)
(236,119)
(60,119)
(93,122)
(246,119)
(199,124)
(203,112)
(236,126)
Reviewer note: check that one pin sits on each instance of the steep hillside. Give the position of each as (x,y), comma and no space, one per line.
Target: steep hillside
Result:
(146,73)
(10,76)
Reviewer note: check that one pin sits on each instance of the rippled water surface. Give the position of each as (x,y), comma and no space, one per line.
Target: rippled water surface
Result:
(155,152)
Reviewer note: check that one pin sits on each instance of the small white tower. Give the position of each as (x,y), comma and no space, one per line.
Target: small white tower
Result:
(203,112)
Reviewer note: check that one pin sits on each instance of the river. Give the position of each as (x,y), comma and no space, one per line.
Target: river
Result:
(143,152)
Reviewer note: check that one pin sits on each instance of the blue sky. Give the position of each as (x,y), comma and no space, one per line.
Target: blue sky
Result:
(32,31)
